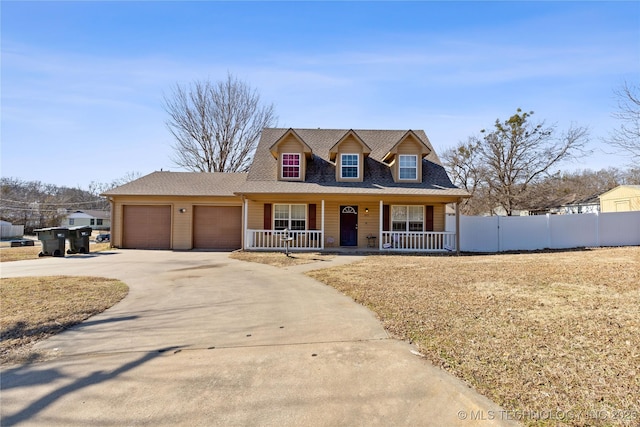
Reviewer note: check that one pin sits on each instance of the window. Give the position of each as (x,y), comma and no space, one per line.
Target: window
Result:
(407,218)
(98,222)
(71,221)
(293,217)
(291,165)
(92,221)
(349,165)
(408,167)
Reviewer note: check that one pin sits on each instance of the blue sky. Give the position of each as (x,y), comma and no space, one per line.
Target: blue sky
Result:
(83,82)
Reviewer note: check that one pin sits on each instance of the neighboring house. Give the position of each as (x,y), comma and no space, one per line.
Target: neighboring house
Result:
(309,189)
(570,204)
(500,211)
(98,220)
(622,198)
(589,204)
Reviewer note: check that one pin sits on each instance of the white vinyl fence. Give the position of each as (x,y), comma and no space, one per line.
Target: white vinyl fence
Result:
(500,234)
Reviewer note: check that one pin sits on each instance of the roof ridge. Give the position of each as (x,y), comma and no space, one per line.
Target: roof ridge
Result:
(348,129)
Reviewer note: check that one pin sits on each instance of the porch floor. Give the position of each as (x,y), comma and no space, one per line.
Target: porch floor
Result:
(347,250)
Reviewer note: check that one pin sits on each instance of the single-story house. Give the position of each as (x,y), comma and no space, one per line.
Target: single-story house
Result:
(569,204)
(623,198)
(306,189)
(98,220)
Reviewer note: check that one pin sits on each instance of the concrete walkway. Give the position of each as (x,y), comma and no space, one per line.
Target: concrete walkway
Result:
(204,340)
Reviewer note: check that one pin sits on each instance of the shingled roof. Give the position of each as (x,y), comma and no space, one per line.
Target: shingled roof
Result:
(320,171)
(321,176)
(182,184)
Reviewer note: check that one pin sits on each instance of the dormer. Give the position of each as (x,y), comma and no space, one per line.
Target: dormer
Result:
(292,154)
(348,155)
(405,158)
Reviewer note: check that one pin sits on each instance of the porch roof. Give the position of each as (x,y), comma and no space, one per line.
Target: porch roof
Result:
(284,187)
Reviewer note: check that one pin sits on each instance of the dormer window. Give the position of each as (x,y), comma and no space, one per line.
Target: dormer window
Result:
(291,165)
(349,166)
(408,167)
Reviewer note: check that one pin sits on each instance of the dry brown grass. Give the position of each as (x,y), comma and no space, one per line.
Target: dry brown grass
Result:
(34,308)
(279,259)
(22,253)
(541,334)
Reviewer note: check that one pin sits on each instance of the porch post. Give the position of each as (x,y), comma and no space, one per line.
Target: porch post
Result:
(244,222)
(458,227)
(322,225)
(380,226)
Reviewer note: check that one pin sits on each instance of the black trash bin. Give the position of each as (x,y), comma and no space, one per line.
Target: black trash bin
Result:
(79,240)
(53,240)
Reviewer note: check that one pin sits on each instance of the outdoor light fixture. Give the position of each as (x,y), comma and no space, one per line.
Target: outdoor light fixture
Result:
(366,210)
(183,210)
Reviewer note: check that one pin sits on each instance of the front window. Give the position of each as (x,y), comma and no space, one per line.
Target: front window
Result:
(293,217)
(98,222)
(407,218)
(349,166)
(291,165)
(408,167)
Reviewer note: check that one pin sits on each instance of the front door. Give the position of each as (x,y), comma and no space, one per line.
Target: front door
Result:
(348,226)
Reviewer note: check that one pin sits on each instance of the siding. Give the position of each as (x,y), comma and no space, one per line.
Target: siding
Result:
(409,146)
(368,223)
(291,145)
(182,223)
(350,146)
(620,199)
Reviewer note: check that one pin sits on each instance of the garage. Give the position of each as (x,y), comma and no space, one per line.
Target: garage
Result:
(146,227)
(217,227)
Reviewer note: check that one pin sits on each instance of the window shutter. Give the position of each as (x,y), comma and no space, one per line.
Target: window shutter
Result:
(385,217)
(267,216)
(312,216)
(428,220)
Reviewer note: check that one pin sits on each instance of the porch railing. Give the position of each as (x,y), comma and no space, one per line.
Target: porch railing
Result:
(429,241)
(275,239)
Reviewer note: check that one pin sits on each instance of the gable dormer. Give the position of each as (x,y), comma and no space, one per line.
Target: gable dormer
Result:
(348,155)
(292,154)
(405,158)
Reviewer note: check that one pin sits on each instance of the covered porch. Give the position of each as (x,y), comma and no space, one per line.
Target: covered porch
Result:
(354,227)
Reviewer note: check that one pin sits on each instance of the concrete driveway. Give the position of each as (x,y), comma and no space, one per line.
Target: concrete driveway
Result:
(204,340)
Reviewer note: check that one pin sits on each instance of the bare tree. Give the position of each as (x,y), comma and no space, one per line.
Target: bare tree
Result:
(466,171)
(499,168)
(518,153)
(36,205)
(627,136)
(216,125)
(97,188)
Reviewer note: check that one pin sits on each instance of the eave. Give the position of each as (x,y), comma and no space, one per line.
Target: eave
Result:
(308,152)
(390,156)
(333,151)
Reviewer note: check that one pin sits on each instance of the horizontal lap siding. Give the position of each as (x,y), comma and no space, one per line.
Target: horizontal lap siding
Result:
(182,211)
(367,223)
(439,217)
(350,146)
(412,147)
(291,146)
(332,223)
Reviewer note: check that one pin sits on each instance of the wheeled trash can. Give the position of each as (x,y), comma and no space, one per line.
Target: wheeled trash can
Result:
(79,240)
(53,240)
